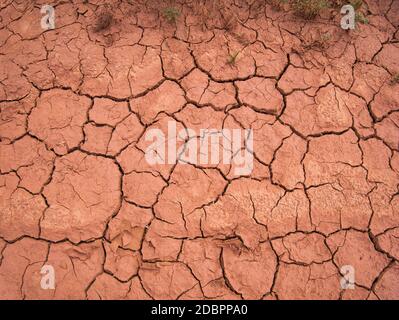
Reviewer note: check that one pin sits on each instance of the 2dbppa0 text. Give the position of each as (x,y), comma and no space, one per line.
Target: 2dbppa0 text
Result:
(200,309)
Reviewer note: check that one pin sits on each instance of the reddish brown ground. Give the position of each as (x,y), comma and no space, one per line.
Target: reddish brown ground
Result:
(77,194)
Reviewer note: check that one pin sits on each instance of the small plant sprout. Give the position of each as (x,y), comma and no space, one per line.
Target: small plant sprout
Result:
(171,14)
(325,37)
(320,42)
(361,18)
(356,4)
(232,58)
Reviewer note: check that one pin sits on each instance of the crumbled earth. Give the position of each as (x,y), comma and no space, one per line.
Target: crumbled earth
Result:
(77,193)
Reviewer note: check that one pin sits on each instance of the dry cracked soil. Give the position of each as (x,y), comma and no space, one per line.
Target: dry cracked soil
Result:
(76,191)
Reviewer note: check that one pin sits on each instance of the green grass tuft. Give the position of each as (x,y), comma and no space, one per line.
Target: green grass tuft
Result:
(309,9)
(359,17)
(171,14)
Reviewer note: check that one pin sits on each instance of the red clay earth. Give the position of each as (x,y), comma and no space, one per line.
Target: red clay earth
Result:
(76,192)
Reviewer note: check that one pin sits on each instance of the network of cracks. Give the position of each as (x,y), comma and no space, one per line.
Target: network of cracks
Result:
(77,193)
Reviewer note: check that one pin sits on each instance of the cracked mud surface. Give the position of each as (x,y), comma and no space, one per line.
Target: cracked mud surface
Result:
(76,191)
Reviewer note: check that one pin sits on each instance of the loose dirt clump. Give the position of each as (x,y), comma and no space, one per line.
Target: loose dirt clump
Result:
(103,21)
(277,4)
(395,79)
